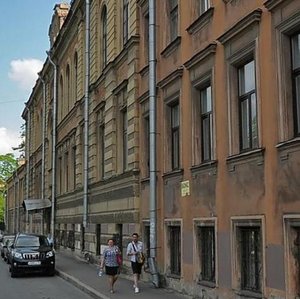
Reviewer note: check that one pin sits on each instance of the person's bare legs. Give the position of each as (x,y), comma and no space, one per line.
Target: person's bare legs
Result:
(111,283)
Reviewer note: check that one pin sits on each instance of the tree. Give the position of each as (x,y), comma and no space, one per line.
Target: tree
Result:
(21,146)
(8,164)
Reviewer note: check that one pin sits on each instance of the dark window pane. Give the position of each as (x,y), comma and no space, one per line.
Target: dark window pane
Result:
(207,252)
(250,259)
(204,6)
(175,250)
(175,139)
(245,124)
(254,129)
(296,51)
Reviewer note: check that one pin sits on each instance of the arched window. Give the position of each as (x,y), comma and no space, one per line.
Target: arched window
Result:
(68,89)
(125,20)
(75,77)
(60,98)
(104,36)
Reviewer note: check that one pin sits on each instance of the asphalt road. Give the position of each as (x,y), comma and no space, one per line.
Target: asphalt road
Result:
(36,287)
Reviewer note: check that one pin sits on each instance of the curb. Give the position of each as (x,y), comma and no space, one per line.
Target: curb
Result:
(83,287)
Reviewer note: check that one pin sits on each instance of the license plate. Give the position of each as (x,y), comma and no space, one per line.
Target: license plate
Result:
(35,263)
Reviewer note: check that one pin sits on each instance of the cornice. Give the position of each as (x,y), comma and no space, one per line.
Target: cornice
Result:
(171,47)
(198,57)
(201,21)
(122,85)
(171,77)
(253,17)
(272,4)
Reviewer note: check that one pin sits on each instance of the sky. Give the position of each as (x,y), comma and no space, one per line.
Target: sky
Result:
(24,26)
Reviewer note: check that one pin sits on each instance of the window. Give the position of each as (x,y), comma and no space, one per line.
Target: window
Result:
(147,144)
(61,99)
(206,123)
(247,106)
(250,258)
(296,81)
(75,76)
(175,250)
(203,5)
(104,36)
(173,14)
(125,20)
(175,140)
(60,175)
(206,238)
(74,166)
(101,142)
(291,256)
(68,91)
(66,168)
(124,139)
(146,37)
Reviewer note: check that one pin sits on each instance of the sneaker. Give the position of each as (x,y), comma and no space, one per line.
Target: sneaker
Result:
(136,290)
(134,286)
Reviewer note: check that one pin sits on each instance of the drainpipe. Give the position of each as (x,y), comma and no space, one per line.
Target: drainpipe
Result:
(27,153)
(43,148)
(86,113)
(53,190)
(15,204)
(152,145)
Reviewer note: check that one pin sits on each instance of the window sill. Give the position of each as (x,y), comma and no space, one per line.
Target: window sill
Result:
(145,180)
(173,173)
(174,276)
(171,47)
(287,147)
(144,70)
(204,166)
(205,283)
(249,294)
(242,158)
(201,21)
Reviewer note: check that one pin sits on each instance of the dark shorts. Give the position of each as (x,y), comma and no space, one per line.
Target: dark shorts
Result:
(111,270)
(136,267)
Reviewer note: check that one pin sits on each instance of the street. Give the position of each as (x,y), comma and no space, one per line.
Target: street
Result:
(36,287)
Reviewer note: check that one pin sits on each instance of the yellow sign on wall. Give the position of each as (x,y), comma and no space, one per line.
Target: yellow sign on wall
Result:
(185,188)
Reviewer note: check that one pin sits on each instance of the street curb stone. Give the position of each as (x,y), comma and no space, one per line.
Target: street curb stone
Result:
(77,283)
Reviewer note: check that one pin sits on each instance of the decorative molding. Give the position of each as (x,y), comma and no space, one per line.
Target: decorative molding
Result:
(171,77)
(242,158)
(272,4)
(253,17)
(120,87)
(198,57)
(201,21)
(171,47)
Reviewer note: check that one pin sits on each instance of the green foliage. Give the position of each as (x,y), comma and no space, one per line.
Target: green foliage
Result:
(8,164)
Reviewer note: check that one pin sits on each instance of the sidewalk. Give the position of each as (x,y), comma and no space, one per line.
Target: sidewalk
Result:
(84,276)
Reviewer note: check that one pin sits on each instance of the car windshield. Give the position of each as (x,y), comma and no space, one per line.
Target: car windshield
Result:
(32,241)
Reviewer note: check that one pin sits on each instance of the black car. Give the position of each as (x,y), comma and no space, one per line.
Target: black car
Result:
(4,242)
(31,253)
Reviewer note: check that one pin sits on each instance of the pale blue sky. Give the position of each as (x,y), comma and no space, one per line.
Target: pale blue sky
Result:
(24,40)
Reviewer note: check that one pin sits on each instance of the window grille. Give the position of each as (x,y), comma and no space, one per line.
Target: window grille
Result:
(207,253)
(175,250)
(251,258)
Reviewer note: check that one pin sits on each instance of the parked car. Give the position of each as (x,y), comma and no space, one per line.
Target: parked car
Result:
(4,243)
(31,253)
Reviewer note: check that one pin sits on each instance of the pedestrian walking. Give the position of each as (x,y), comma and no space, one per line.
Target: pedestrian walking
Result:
(110,261)
(135,252)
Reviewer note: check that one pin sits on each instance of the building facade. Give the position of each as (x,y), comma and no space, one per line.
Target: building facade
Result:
(227,132)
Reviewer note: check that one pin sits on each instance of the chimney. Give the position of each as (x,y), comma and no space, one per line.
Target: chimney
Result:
(60,13)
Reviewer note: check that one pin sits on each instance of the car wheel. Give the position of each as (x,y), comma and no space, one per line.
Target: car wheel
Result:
(51,272)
